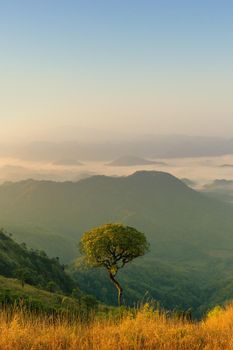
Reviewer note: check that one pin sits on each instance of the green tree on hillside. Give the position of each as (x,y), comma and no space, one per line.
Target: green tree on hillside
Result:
(23,274)
(52,287)
(112,246)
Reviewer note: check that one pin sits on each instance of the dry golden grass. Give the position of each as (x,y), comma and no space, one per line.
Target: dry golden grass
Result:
(145,330)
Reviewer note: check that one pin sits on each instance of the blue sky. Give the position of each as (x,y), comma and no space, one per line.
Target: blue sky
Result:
(159,66)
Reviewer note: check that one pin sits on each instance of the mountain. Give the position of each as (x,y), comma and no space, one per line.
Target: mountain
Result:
(190,234)
(132,161)
(106,148)
(170,213)
(155,202)
(189,183)
(221,189)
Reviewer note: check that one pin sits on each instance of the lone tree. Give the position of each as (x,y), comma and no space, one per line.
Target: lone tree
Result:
(112,246)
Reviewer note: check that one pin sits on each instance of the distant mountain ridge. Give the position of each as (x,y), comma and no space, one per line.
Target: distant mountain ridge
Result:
(132,161)
(105,149)
(220,188)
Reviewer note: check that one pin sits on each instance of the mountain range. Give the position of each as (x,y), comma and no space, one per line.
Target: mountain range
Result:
(221,189)
(190,234)
(132,161)
(105,148)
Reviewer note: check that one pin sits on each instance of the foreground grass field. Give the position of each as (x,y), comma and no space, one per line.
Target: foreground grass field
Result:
(145,329)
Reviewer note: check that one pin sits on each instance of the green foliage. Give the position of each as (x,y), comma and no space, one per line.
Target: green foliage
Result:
(171,288)
(52,287)
(32,267)
(12,294)
(113,246)
(23,274)
(217,310)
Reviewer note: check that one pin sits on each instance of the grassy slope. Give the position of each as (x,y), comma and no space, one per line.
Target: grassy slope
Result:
(12,289)
(144,330)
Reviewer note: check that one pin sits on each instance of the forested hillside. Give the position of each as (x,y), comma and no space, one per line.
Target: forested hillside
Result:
(32,267)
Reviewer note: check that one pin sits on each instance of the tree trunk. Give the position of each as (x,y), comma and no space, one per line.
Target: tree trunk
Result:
(118,287)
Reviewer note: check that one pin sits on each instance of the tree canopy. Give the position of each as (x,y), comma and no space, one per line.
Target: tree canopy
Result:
(112,246)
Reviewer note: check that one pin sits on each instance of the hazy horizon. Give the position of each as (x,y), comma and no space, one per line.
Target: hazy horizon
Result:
(74,133)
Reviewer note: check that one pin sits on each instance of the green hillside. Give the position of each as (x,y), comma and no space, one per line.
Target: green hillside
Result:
(145,280)
(32,267)
(29,297)
(190,234)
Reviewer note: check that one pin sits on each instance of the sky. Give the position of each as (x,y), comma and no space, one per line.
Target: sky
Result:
(138,66)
